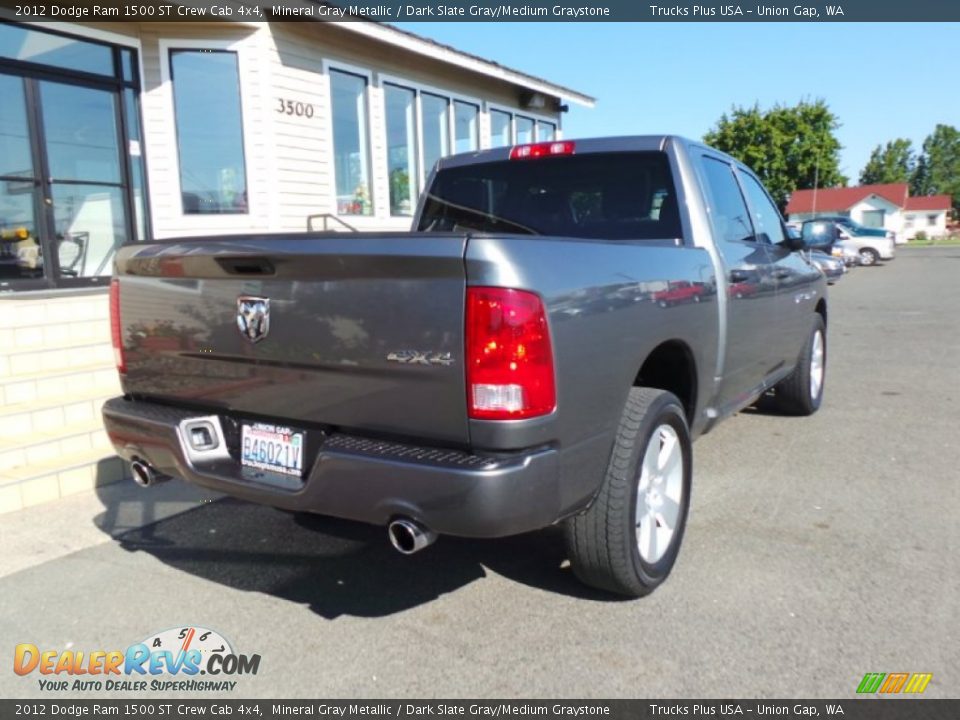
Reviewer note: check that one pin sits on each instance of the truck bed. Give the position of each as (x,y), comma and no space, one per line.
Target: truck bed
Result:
(346,314)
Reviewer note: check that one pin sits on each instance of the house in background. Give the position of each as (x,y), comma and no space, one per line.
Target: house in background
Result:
(926,214)
(112,132)
(879,206)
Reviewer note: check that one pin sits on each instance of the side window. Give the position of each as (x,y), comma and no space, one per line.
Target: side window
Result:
(766,217)
(728,211)
(213,175)
(351,146)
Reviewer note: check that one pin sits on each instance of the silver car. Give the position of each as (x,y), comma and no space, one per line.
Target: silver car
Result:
(826,234)
(869,248)
(833,268)
(845,253)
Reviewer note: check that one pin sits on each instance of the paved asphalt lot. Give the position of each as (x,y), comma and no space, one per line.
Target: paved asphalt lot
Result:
(818,549)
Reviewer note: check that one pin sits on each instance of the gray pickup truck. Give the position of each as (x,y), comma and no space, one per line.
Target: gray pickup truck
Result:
(564,319)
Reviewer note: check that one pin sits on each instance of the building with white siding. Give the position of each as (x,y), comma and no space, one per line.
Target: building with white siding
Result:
(926,214)
(888,206)
(117,132)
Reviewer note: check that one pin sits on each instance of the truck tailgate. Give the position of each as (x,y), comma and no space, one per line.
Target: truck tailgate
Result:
(362,330)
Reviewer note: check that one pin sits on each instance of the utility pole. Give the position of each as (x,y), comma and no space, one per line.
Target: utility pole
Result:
(816,180)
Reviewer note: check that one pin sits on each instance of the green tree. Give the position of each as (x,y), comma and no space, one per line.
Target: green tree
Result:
(941,163)
(920,179)
(891,163)
(790,148)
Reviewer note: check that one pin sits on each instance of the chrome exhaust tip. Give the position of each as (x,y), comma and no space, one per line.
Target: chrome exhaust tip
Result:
(144,475)
(409,536)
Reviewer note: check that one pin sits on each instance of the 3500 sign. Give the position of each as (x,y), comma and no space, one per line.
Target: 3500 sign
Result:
(291,107)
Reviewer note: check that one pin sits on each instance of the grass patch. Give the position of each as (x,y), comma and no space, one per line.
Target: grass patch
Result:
(935,242)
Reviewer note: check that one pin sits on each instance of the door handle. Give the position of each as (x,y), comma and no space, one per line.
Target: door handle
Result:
(781,274)
(247,265)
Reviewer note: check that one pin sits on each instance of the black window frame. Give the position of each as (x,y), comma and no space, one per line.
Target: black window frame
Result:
(31,72)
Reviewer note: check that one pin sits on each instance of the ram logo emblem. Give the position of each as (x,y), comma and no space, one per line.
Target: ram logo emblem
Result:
(253,317)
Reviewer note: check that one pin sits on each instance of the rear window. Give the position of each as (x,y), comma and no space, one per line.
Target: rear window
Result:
(617,196)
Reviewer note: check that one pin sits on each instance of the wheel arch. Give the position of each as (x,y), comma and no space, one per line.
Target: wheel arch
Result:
(671,366)
(821,309)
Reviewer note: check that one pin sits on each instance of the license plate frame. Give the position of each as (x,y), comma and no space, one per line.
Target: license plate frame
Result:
(273,448)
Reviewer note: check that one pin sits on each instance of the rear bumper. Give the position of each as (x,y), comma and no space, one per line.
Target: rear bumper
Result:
(356,478)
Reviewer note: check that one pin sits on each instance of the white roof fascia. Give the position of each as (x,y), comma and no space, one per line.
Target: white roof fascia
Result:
(436,51)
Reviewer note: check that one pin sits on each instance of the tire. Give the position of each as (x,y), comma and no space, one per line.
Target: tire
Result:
(801,392)
(869,256)
(608,546)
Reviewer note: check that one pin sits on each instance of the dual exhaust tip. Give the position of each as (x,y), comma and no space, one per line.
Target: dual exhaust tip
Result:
(144,474)
(407,536)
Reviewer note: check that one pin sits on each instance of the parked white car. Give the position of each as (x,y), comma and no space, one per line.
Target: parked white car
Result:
(827,233)
(870,249)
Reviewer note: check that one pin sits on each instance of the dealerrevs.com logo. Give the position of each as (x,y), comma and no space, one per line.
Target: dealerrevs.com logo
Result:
(180,659)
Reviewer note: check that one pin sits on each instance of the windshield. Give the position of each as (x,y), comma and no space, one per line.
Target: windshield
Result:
(617,196)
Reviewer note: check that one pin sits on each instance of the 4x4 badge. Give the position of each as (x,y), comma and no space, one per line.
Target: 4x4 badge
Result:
(420,357)
(253,317)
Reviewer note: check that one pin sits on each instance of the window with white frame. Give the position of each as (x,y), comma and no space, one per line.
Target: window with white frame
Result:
(931,220)
(872,218)
(908,221)
(501,128)
(546,131)
(436,128)
(422,126)
(466,126)
(524,126)
(402,168)
(213,178)
(351,146)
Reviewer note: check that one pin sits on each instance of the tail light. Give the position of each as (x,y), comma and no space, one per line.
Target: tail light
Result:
(544,149)
(116,333)
(509,359)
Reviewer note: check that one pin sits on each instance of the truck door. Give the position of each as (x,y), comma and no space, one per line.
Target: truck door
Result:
(750,287)
(795,278)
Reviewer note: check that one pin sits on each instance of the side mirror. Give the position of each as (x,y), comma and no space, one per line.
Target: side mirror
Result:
(819,233)
(794,240)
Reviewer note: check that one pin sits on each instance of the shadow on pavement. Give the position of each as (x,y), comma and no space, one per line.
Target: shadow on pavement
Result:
(338,567)
(126,506)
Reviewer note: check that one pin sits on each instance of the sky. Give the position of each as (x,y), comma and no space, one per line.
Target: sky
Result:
(883,80)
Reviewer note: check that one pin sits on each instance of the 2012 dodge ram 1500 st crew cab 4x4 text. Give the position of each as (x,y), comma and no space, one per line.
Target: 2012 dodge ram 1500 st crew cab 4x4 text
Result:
(508,365)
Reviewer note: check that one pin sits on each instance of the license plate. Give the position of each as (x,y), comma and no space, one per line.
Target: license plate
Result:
(272,447)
